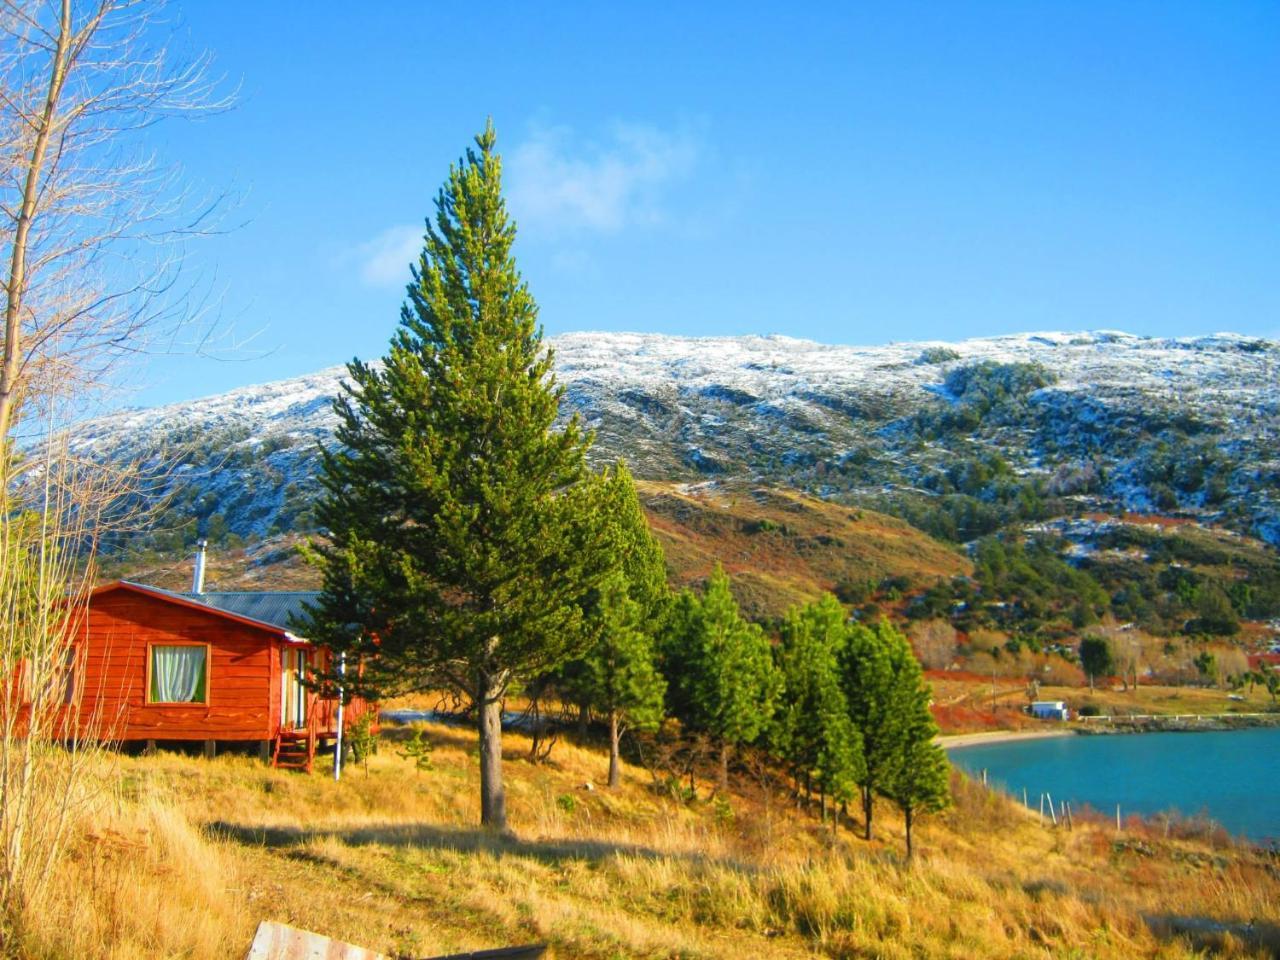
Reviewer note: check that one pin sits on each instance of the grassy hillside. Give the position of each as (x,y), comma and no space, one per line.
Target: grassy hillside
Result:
(779,546)
(182,857)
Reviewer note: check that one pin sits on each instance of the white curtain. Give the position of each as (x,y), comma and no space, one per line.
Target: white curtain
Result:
(177,674)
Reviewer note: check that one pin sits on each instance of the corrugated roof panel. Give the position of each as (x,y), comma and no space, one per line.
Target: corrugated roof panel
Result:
(275,608)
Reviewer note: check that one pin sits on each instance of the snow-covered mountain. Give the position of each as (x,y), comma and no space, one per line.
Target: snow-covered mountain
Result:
(1127,422)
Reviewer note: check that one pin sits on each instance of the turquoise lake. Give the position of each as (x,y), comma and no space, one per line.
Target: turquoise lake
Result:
(1232,777)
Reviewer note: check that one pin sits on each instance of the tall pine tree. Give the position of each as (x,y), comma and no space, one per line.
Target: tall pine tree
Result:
(617,677)
(462,526)
(919,778)
(867,678)
(729,684)
(812,730)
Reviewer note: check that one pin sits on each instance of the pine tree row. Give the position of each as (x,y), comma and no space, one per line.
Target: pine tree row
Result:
(467,546)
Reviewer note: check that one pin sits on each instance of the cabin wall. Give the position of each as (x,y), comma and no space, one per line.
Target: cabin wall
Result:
(120,627)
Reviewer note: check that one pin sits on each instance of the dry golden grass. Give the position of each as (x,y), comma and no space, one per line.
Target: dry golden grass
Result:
(184,856)
(782,547)
(1162,699)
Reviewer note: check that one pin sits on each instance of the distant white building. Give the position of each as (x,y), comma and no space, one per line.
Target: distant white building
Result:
(1050,710)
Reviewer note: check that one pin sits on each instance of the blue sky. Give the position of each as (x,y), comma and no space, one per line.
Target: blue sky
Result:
(846,173)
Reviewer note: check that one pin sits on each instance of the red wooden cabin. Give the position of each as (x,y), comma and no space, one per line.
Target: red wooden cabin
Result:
(155,665)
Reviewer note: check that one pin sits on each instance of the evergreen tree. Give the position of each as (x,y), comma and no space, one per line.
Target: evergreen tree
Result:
(922,783)
(730,686)
(918,781)
(618,677)
(867,678)
(1096,657)
(462,527)
(812,729)
(676,656)
(1215,614)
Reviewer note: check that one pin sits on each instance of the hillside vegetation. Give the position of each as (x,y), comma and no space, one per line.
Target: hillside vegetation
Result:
(182,857)
(780,546)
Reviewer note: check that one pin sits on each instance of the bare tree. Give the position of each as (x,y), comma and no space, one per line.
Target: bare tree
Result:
(934,642)
(92,222)
(92,227)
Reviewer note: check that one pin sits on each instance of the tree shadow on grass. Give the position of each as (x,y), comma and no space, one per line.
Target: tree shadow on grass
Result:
(1216,936)
(462,840)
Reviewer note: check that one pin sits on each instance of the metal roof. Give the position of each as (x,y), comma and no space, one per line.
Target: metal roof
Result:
(273,608)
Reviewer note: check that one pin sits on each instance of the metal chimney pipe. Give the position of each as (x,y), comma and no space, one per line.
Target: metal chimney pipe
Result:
(197,579)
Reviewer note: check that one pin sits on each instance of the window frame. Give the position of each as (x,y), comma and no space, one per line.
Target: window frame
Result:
(208,663)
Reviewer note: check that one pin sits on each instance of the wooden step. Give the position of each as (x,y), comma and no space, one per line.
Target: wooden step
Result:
(294,750)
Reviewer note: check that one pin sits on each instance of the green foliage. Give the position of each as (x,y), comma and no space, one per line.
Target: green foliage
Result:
(1215,613)
(935,355)
(1036,584)
(812,729)
(723,810)
(417,748)
(463,527)
(723,679)
(1096,657)
(362,741)
(617,676)
(1207,666)
(1269,677)
(888,702)
(866,677)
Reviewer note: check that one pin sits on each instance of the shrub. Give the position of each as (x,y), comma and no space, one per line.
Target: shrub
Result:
(362,741)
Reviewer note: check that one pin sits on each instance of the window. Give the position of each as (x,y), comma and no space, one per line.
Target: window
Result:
(178,674)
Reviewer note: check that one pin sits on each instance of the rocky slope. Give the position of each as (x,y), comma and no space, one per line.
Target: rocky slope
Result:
(961,438)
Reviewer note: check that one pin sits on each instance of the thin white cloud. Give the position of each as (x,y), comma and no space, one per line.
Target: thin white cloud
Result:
(559,181)
(384,260)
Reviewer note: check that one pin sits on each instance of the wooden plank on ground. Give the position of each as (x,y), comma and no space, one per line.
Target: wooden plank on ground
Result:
(532,952)
(278,941)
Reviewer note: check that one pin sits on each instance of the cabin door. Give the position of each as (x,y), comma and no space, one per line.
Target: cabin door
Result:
(293,695)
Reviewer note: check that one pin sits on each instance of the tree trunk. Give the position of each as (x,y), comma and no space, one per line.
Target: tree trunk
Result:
(584,716)
(723,784)
(615,776)
(1091,683)
(822,800)
(17,278)
(493,796)
(867,801)
(907,817)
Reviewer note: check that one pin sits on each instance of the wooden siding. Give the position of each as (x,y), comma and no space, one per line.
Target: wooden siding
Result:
(121,627)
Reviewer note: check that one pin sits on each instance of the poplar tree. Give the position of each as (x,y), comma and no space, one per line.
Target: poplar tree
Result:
(812,730)
(618,676)
(462,526)
(730,686)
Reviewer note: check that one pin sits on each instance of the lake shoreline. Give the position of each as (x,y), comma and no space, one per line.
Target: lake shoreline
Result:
(1174,723)
(954,740)
(1177,723)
